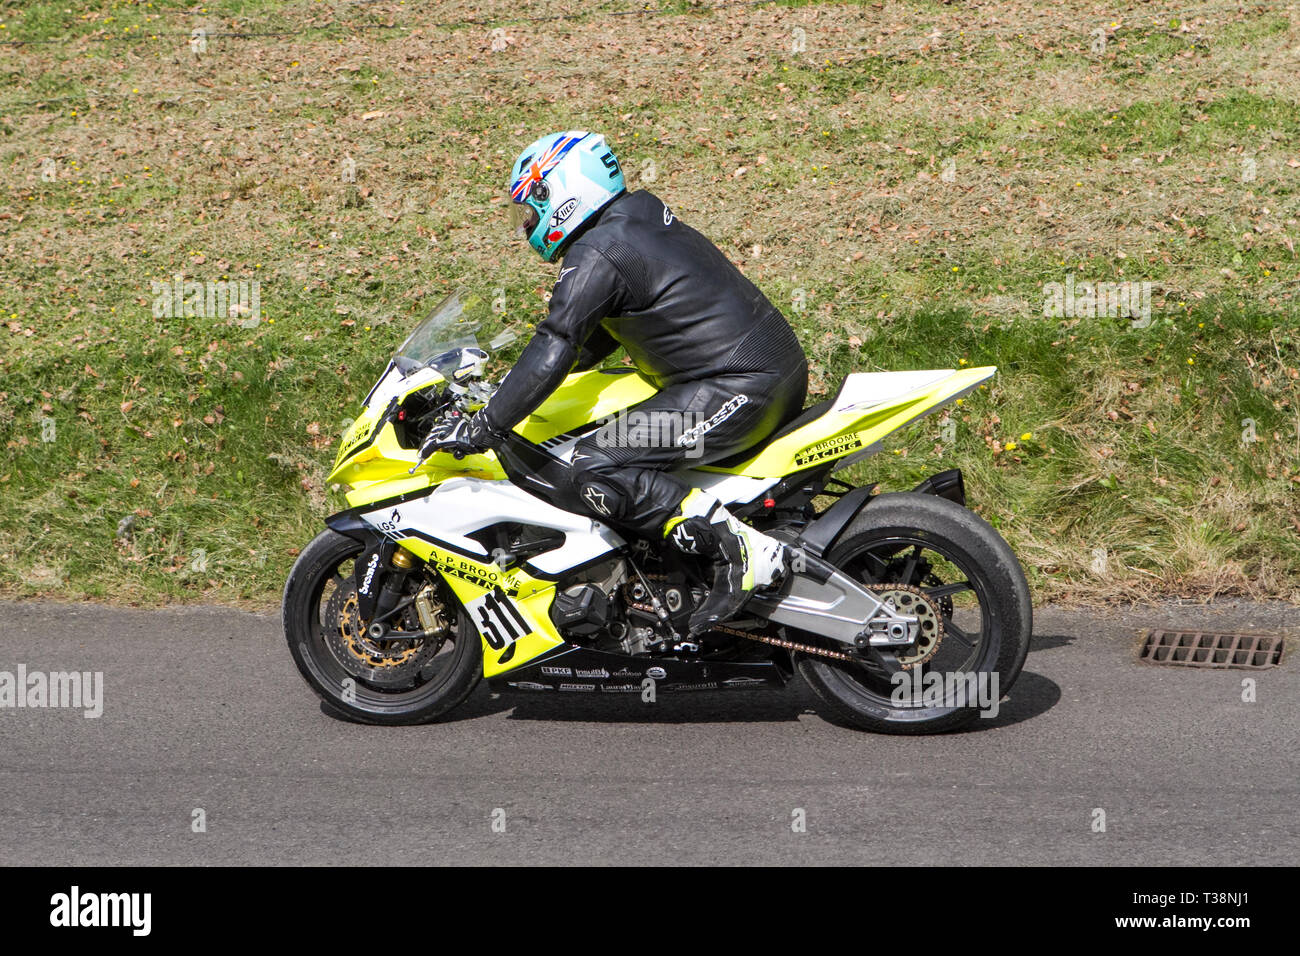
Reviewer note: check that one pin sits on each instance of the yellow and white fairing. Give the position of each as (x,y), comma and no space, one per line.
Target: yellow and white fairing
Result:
(511,607)
(869,407)
(372,462)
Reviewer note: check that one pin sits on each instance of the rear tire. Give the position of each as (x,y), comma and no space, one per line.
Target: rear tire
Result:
(874,545)
(448,678)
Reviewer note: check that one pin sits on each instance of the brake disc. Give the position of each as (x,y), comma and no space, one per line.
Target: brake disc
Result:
(388,660)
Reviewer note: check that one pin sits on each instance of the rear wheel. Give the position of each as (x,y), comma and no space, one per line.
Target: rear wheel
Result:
(378,681)
(934,559)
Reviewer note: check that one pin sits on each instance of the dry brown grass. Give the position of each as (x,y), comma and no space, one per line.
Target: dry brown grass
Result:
(821,170)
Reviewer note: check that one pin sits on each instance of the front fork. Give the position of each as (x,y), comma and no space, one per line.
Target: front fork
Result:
(381,573)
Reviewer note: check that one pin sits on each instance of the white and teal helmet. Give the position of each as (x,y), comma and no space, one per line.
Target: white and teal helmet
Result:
(558,183)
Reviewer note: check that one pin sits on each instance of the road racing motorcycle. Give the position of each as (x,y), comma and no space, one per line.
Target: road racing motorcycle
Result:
(445,570)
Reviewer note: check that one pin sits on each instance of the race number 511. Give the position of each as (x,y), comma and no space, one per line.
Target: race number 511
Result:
(497,619)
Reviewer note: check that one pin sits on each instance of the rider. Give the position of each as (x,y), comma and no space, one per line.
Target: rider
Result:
(728,367)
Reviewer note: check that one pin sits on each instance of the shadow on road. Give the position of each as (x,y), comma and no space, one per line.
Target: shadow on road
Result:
(695,707)
(685,707)
(1045,642)
(1032,695)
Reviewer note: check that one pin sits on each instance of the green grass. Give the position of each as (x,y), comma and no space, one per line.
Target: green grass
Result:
(823,179)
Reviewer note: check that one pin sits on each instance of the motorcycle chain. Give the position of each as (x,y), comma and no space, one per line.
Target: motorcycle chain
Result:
(782,642)
(839,655)
(750,635)
(794,645)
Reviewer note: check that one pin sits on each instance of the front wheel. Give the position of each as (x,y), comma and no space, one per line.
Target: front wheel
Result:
(935,559)
(381,681)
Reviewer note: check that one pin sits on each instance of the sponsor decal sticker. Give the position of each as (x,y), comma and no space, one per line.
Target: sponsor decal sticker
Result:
(361,435)
(729,407)
(830,448)
(370,574)
(483,576)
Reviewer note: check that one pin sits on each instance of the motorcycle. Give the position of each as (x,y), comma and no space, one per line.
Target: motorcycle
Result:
(446,570)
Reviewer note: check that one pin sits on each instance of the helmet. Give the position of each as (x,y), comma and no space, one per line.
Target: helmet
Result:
(558,183)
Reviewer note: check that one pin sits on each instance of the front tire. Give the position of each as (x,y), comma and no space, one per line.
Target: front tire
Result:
(917,540)
(444,678)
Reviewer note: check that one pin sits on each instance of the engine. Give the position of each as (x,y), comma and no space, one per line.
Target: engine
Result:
(614,608)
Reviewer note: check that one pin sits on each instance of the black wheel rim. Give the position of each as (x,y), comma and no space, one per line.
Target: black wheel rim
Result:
(426,682)
(949,580)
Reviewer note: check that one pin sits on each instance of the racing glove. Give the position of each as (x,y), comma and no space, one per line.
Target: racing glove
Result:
(471,435)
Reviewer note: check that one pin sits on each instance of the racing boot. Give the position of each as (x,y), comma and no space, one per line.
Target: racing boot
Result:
(743,559)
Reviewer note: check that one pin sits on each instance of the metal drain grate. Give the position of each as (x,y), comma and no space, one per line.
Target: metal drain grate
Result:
(1205,649)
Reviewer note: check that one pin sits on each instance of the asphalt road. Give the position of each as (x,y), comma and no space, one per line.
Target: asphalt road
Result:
(202,708)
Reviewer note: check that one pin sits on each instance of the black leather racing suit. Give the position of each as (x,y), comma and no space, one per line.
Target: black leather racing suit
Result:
(729,367)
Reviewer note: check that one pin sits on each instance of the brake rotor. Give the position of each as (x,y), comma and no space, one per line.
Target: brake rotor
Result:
(909,600)
(383,660)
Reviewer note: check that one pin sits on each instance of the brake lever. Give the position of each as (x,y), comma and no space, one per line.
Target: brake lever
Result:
(423,457)
(426,452)
(433,444)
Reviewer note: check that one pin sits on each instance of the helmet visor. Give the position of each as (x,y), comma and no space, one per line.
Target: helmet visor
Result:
(523,218)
